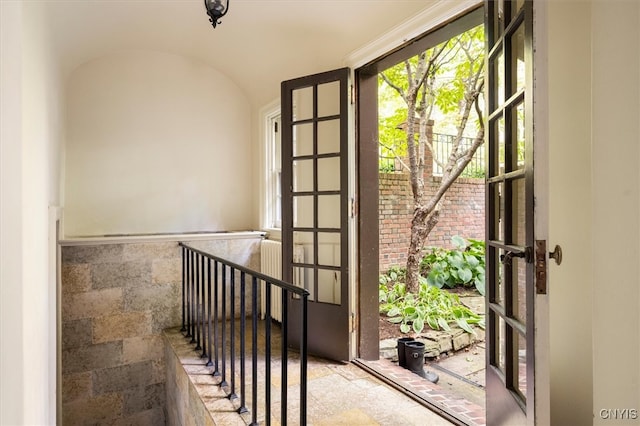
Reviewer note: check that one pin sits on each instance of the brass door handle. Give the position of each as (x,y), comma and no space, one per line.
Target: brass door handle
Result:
(556,254)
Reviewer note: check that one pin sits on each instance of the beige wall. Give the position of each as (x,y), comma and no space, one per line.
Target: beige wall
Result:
(32,128)
(12,363)
(615,218)
(593,207)
(156,143)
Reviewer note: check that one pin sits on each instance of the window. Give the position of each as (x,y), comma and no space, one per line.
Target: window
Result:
(272,193)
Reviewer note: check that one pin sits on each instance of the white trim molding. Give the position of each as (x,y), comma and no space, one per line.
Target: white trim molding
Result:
(430,17)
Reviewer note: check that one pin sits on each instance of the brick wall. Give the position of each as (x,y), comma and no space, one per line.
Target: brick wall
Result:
(462,214)
(116,301)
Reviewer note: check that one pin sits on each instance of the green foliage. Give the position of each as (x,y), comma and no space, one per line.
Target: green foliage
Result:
(461,266)
(473,172)
(446,84)
(432,306)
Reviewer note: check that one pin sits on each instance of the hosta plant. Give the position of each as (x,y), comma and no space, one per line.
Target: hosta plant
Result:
(461,266)
(431,307)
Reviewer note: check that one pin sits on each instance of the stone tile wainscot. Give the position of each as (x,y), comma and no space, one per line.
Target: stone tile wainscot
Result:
(116,301)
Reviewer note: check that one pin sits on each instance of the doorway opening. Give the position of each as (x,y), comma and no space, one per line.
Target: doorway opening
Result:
(427,106)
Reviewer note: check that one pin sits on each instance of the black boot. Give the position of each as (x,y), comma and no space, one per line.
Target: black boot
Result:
(414,354)
(402,360)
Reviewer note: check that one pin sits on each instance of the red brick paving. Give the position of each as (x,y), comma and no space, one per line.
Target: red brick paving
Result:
(465,411)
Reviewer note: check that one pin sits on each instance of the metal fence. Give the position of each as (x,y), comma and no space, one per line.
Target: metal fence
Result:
(442,146)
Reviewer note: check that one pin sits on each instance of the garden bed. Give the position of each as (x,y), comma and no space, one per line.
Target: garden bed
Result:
(437,342)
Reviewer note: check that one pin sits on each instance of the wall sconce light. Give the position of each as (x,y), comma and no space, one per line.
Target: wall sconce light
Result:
(216,9)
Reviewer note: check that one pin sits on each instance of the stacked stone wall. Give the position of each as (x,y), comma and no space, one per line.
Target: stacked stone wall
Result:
(116,301)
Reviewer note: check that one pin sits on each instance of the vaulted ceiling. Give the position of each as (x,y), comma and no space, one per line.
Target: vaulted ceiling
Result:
(258,44)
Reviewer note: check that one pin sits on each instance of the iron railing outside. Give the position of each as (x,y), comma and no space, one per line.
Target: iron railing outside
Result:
(442,146)
(205,319)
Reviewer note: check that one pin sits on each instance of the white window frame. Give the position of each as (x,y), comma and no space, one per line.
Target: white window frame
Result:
(271,193)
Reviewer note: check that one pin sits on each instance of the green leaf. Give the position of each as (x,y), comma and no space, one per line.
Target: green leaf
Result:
(395,320)
(418,325)
(456,260)
(459,242)
(444,324)
(465,275)
(433,323)
(409,310)
(404,328)
(385,307)
(462,323)
(436,278)
(394,312)
(479,283)
(471,260)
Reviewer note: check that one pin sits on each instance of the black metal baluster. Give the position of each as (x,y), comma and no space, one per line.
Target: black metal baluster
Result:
(285,380)
(232,333)
(184,283)
(198,301)
(209,362)
(267,354)
(223,383)
(303,361)
(216,301)
(193,298)
(203,303)
(243,383)
(189,278)
(254,352)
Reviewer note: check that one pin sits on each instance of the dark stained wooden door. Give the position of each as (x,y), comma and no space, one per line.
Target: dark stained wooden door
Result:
(315,208)
(510,240)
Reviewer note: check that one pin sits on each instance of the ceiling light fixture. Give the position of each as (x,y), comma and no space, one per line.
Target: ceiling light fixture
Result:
(216,9)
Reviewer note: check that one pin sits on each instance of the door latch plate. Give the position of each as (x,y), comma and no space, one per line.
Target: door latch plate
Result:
(541,267)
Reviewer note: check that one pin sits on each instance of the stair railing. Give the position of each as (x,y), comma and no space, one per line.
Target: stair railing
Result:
(210,287)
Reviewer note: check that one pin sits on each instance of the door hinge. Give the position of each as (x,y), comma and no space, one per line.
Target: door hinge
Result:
(352,94)
(352,322)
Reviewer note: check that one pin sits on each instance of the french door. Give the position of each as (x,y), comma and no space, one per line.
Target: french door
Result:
(315,213)
(510,210)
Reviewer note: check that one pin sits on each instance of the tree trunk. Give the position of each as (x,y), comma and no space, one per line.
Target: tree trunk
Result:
(421,225)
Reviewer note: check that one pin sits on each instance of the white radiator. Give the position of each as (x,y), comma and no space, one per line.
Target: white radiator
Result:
(271,265)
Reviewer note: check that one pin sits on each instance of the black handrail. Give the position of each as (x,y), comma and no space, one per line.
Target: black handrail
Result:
(200,316)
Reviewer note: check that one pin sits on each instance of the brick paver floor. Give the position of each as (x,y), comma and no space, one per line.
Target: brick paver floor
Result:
(464,411)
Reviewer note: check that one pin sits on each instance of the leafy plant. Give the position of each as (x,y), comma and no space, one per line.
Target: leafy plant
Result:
(393,275)
(432,306)
(461,266)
